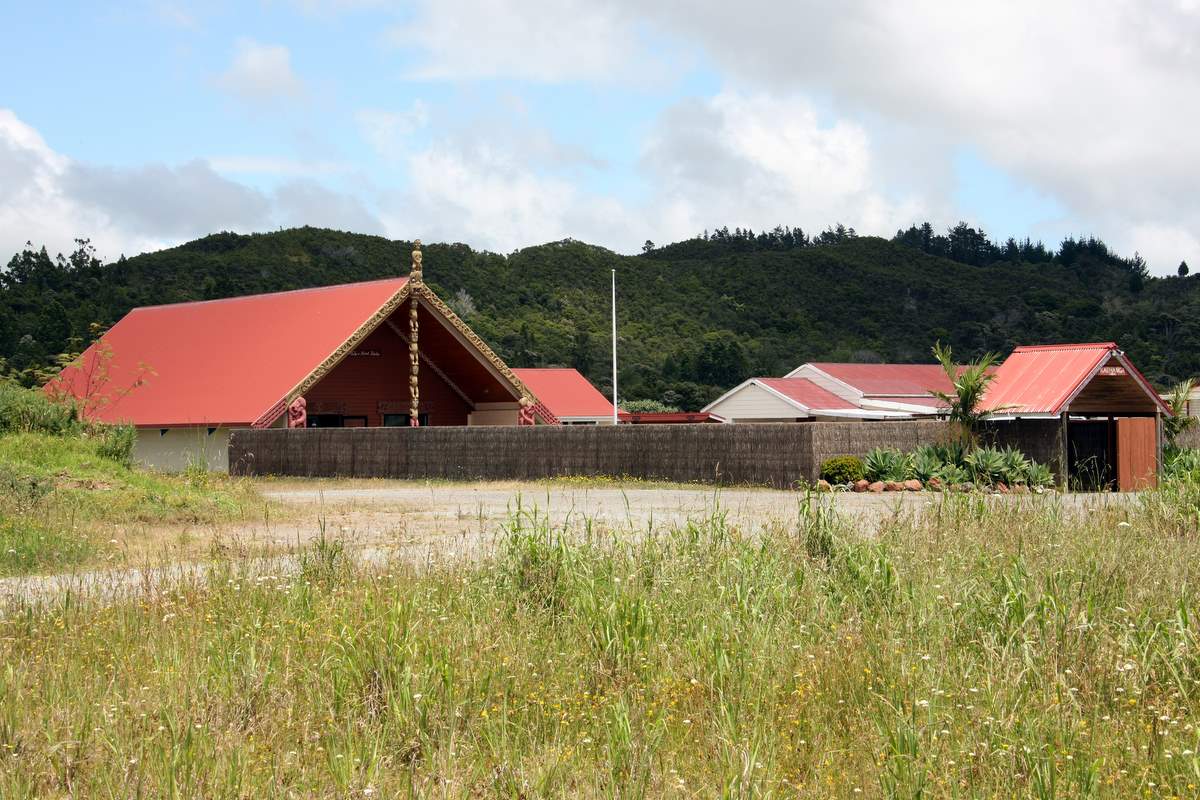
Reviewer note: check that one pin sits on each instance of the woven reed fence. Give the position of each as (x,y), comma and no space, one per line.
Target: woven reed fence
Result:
(771,455)
(1189,438)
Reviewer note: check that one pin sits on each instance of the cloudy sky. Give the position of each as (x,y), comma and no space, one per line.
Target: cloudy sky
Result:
(506,123)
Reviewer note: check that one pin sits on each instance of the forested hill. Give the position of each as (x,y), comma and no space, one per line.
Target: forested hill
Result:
(695,317)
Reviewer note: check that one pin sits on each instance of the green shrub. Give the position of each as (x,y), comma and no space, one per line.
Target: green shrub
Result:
(31,411)
(116,443)
(887,464)
(843,469)
(648,407)
(1181,464)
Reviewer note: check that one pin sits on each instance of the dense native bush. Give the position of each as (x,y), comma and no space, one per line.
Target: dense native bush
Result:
(1181,463)
(31,411)
(842,469)
(25,410)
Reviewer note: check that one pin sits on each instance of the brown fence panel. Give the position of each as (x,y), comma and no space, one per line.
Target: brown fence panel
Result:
(772,455)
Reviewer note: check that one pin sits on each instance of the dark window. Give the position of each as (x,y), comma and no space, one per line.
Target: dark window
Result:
(401,420)
(325,421)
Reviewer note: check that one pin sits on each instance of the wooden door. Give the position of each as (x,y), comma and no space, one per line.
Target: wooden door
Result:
(1137,453)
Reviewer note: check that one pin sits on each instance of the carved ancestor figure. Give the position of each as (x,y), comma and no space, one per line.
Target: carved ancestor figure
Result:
(414,353)
(415,274)
(414,358)
(525,415)
(297,413)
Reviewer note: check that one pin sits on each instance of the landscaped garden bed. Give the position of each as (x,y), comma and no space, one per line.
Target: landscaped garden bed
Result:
(943,467)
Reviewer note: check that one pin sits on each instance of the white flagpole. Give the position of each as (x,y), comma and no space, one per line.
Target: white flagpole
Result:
(614,343)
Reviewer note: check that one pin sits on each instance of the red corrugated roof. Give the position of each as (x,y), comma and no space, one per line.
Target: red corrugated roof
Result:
(667,417)
(806,393)
(889,380)
(219,362)
(1041,379)
(909,400)
(565,392)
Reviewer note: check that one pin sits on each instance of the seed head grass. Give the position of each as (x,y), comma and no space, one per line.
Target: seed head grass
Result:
(62,498)
(978,649)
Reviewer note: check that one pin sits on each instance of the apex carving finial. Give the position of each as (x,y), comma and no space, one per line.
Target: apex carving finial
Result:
(415,274)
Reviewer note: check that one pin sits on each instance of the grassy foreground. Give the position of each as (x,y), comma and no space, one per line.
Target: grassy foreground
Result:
(985,651)
(63,497)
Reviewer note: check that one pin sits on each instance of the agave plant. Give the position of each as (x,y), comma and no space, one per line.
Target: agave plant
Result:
(951,452)
(886,464)
(1016,466)
(1039,475)
(986,464)
(925,461)
(952,474)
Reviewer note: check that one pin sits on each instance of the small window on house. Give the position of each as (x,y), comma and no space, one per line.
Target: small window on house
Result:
(163,431)
(211,431)
(401,420)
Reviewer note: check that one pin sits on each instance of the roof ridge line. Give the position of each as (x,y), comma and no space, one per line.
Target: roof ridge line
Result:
(268,294)
(1068,346)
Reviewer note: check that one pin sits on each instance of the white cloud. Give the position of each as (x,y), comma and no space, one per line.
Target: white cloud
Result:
(387,131)
(1094,104)
(276,165)
(306,202)
(482,196)
(261,73)
(738,159)
(33,203)
(161,201)
(49,199)
(539,41)
(754,160)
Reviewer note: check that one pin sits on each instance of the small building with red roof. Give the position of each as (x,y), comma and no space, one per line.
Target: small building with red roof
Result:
(378,353)
(1104,417)
(791,399)
(568,395)
(668,417)
(888,387)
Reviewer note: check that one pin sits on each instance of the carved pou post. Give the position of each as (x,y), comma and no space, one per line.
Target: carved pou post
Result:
(526,415)
(414,353)
(297,415)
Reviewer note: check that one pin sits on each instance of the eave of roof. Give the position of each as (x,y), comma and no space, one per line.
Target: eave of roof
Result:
(1044,379)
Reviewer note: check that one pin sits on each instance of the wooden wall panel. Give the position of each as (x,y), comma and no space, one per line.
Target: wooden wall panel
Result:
(1137,453)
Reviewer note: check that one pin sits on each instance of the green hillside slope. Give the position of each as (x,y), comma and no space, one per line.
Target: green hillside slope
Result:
(695,317)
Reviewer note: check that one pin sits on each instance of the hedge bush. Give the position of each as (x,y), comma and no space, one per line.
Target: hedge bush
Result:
(842,469)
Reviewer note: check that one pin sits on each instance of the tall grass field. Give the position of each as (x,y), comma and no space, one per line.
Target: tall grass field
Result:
(67,488)
(978,649)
